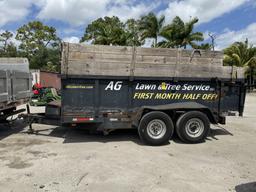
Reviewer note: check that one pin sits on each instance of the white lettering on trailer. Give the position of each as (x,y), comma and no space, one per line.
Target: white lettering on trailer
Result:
(187,87)
(116,86)
(145,86)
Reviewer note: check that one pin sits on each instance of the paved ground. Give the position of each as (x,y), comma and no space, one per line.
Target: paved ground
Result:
(60,159)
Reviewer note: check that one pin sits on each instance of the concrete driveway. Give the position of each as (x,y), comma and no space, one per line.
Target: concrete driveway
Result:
(61,159)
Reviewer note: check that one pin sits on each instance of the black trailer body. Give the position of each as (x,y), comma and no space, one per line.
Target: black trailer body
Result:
(118,102)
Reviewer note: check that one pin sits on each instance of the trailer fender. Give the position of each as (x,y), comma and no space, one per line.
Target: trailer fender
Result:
(186,106)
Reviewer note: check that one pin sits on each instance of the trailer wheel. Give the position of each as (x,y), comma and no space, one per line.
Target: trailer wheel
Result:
(193,127)
(156,128)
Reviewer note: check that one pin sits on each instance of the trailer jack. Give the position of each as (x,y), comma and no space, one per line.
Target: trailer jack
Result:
(107,131)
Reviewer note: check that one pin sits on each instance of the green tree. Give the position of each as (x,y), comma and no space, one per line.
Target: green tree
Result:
(180,34)
(47,59)
(169,40)
(11,51)
(151,27)
(8,48)
(241,54)
(204,46)
(37,40)
(105,31)
(4,38)
(133,34)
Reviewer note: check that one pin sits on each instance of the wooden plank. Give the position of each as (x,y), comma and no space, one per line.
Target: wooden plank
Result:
(97,65)
(64,58)
(128,53)
(90,56)
(99,48)
(132,65)
(97,68)
(204,54)
(190,70)
(154,65)
(155,62)
(240,72)
(118,72)
(187,60)
(156,52)
(155,59)
(158,72)
(99,61)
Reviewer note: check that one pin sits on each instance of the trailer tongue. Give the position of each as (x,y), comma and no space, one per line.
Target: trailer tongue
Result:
(157,91)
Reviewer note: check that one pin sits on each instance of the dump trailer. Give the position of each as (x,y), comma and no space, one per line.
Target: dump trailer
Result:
(15,86)
(157,91)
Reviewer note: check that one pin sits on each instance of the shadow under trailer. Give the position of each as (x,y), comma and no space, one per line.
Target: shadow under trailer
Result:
(154,90)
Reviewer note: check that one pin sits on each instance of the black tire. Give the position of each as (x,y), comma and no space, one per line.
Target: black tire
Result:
(184,127)
(149,122)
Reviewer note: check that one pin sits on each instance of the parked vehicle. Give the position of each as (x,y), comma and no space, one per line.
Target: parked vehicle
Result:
(157,91)
(43,95)
(15,86)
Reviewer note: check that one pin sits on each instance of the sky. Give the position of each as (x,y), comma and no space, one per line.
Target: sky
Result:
(227,20)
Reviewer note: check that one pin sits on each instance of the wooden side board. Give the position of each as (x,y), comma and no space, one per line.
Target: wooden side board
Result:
(78,59)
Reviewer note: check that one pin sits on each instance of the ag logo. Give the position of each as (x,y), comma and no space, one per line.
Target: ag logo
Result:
(116,86)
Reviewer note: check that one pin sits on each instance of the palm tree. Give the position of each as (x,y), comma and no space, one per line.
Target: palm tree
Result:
(133,34)
(151,26)
(169,40)
(239,54)
(243,55)
(203,46)
(180,34)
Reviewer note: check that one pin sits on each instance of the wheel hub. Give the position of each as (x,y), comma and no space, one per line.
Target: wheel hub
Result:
(194,127)
(156,129)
